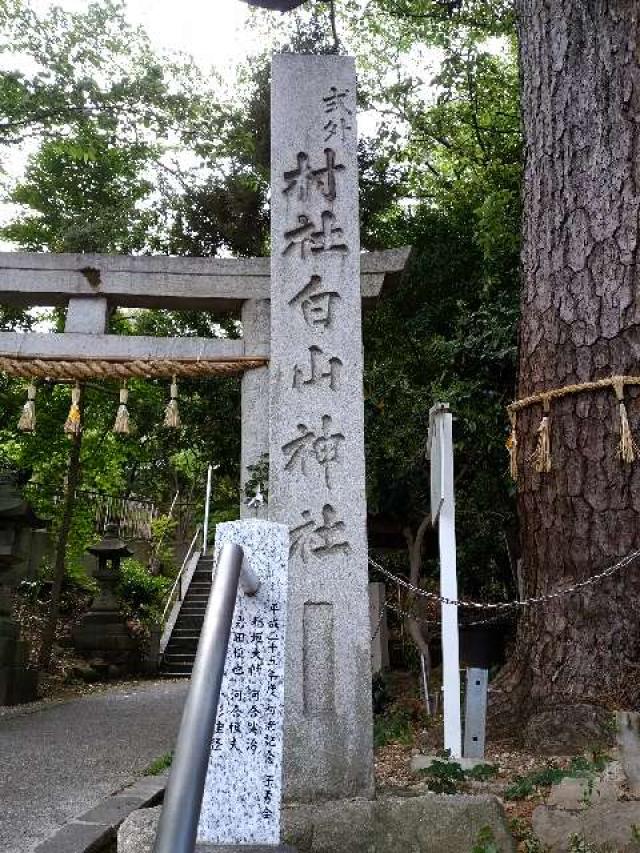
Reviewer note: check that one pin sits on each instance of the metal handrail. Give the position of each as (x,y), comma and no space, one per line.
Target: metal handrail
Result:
(156,550)
(177,584)
(178,827)
(207,502)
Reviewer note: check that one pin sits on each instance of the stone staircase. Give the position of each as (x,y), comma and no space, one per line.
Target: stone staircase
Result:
(180,652)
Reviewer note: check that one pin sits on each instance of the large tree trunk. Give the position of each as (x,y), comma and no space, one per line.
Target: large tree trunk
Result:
(580,315)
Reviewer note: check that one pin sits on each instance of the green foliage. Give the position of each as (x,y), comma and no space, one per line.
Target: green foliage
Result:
(393,726)
(90,68)
(551,774)
(453,320)
(142,593)
(525,786)
(448,777)
(523,834)
(162,528)
(83,194)
(486,842)
(441,172)
(258,479)
(160,764)
(444,777)
(482,772)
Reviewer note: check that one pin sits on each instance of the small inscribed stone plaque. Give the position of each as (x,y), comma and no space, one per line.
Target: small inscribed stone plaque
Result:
(243,792)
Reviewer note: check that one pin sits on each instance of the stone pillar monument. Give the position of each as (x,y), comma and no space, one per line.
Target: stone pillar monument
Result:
(317,476)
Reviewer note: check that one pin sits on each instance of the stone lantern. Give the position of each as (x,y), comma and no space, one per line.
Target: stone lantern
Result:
(17,523)
(101,636)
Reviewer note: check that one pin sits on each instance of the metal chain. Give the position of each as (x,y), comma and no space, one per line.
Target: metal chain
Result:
(409,615)
(508,605)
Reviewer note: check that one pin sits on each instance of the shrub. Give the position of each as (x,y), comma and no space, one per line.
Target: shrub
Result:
(394,726)
(142,593)
(579,767)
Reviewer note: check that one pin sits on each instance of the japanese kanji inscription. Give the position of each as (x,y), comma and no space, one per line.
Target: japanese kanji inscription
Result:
(242,797)
(317,482)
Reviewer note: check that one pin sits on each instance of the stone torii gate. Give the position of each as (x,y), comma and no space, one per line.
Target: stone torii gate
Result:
(302,398)
(91,287)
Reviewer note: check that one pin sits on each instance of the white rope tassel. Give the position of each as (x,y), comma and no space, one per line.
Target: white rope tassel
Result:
(541,456)
(121,424)
(72,425)
(172,413)
(627,448)
(27,422)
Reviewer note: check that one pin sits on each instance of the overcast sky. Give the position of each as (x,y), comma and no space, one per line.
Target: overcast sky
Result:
(211,30)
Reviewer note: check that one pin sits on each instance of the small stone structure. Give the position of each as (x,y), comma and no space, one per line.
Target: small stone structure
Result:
(101,635)
(428,823)
(379,627)
(17,560)
(243,792)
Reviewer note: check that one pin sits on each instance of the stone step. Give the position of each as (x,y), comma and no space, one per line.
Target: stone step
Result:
(179,650)
(181,646)
(177,669)
(191,621)
(178,659)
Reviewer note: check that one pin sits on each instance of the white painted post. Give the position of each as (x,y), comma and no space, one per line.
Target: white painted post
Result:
(205,532)
(443,509)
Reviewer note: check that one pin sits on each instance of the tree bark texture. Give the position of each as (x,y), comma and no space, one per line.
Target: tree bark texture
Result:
(580,321)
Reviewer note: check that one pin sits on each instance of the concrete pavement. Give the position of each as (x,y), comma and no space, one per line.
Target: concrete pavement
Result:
(60,760)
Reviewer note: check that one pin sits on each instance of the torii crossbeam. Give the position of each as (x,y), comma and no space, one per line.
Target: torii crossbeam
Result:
(91,286)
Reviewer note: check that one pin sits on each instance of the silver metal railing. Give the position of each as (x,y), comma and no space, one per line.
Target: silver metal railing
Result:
(207,504)
(156,551)
(178,826)
(176,592)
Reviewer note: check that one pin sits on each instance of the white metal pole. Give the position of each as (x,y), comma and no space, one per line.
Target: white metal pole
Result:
(449,589)
(207,501)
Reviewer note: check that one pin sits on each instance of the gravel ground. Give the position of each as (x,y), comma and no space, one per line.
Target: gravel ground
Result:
(59,760)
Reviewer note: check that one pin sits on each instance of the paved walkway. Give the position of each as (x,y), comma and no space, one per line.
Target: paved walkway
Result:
(59,761)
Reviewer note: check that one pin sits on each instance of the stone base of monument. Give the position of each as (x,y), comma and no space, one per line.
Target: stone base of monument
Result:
(102,639)
(425,823)
(17,683)
(207,848)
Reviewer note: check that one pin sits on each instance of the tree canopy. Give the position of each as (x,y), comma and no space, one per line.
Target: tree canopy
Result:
(137,152)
